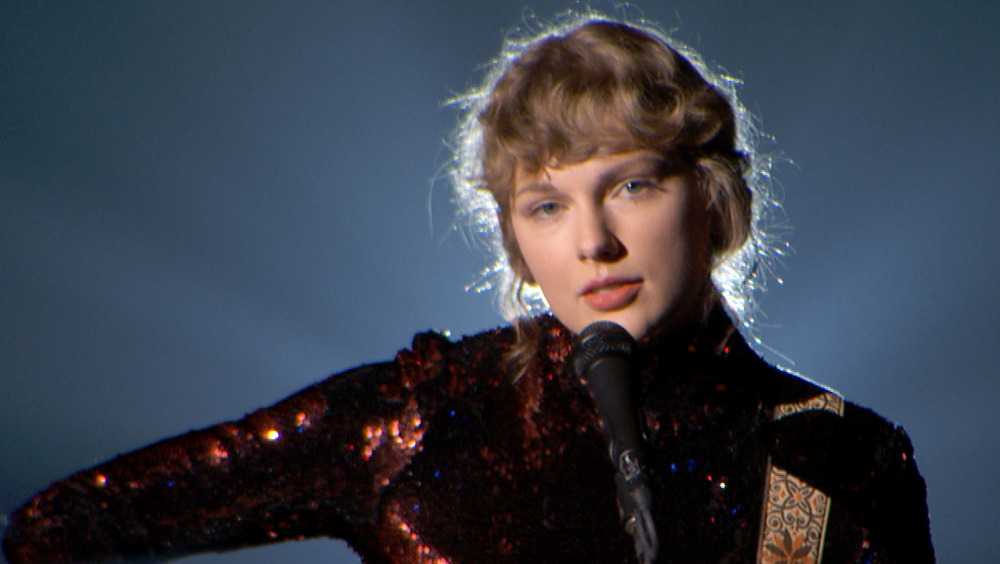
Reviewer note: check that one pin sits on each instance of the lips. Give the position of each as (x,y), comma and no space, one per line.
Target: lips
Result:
(610,294)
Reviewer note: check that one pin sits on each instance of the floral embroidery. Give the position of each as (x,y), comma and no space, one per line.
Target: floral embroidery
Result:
(795,513)
(791,551)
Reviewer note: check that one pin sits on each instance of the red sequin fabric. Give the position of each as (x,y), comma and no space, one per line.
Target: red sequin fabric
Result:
(439,457)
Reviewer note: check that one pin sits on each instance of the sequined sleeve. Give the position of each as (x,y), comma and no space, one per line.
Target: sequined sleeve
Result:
(311,465)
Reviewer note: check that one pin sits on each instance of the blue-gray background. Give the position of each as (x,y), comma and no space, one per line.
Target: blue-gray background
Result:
(206,206)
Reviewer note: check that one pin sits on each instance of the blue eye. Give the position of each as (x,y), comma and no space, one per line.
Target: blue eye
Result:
(548,208)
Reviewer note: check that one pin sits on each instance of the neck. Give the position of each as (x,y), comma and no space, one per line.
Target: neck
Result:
(710,331)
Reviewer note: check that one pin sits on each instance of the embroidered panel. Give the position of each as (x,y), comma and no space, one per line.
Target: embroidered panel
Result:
(795,514)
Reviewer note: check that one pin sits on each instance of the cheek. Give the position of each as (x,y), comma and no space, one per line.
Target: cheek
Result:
(523,253)
(677,245)
(694,250)
(516,254)
(515,258)
(544,258)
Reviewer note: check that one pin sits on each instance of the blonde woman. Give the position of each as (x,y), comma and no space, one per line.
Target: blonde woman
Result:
(615,179)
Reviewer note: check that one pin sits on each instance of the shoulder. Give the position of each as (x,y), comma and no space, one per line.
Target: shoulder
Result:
(862,460)
(433,353)
(822,434)
(789,393)
(806,413)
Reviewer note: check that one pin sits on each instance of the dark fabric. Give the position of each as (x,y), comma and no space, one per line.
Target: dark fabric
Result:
(438,455)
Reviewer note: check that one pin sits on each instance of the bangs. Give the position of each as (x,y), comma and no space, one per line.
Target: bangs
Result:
(608,90)
(571,128)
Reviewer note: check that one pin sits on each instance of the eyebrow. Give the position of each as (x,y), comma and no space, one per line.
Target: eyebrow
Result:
(643,164)
(540,187)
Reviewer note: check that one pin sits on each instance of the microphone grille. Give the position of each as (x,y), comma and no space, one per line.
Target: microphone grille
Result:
(598,340)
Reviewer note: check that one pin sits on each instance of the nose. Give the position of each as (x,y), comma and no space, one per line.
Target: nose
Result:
(596,238)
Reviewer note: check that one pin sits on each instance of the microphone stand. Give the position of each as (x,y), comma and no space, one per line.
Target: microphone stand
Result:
(602,361)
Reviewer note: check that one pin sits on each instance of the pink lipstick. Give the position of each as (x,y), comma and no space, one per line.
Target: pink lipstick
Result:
(611,293)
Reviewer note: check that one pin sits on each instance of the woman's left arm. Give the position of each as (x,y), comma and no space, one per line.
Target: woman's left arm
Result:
(301,468)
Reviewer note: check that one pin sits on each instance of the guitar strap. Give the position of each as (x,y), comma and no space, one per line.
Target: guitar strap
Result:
(793,524)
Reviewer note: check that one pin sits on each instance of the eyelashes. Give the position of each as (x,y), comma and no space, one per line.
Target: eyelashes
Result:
(629,189)
(636,187)
(547,209)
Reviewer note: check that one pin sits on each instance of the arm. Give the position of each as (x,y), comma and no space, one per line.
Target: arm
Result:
(307,466)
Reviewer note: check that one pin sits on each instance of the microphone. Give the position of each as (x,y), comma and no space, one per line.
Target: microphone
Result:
(602,360)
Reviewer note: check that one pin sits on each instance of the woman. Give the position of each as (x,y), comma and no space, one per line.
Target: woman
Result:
(619,186)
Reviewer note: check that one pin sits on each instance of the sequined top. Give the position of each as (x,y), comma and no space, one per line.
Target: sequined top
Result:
(439,457)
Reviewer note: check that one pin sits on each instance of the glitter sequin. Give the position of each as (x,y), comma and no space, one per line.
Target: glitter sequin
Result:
(439,458)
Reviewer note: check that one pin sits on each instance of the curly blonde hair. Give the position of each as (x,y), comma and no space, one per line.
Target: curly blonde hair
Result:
(587,86)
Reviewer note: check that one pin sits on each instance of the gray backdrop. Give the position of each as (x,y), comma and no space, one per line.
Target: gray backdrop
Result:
(206,206)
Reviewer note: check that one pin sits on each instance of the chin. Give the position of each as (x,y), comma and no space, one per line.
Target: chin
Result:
(638,328)
(638,321)
(674,320)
